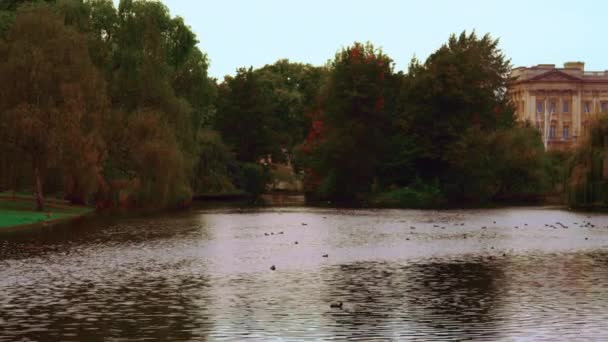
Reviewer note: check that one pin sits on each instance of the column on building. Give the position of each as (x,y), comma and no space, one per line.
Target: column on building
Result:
(576,113)
(596,108)
(560,120)
(532,108)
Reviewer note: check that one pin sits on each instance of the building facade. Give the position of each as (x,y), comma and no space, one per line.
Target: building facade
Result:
(560,102)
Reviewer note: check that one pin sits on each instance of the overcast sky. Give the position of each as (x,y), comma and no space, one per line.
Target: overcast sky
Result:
(236,33)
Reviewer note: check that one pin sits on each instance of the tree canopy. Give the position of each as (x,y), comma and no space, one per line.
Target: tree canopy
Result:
(53,97)
(113,106)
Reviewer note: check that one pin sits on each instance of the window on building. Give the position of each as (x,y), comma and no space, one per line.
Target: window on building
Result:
(604,107)
(539,106)
(565,107)
(552,106)
(587,107)
(552,131)
(566,133)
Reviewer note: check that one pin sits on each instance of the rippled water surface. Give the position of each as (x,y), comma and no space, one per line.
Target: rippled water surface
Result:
(505,274)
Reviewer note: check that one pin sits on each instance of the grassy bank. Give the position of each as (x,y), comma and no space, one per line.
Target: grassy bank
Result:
(20,211)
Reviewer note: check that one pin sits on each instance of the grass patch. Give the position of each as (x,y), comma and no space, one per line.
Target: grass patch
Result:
(420,196)
(22,212)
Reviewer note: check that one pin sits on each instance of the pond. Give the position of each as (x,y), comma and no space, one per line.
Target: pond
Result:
(205,274)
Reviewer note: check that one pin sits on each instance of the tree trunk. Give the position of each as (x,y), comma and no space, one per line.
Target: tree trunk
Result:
(38,189)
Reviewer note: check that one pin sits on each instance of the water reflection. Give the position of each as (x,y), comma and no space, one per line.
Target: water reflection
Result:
(64,310)
(204,275)
(458,299)
(431,301)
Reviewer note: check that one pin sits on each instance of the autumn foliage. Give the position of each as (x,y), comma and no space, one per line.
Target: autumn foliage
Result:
(90,107)
(343,146)
(112,106)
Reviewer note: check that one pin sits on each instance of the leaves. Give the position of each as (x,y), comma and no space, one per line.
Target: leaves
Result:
(54,96)
(344,145)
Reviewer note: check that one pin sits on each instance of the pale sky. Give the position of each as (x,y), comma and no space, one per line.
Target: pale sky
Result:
(237,33)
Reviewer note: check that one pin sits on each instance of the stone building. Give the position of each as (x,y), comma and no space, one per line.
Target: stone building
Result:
(559,101)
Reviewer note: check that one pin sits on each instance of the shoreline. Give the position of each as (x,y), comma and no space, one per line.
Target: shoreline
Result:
(45,224)
(300,201)
(19,210)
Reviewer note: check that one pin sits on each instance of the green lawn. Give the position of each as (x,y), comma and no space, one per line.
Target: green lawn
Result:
(21,212)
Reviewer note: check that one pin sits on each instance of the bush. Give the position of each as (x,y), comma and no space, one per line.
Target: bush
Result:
(254,179)
(213,172)
(507,164)
(418,195)
(588,177)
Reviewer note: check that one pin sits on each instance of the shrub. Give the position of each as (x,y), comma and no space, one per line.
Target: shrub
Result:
(419,195)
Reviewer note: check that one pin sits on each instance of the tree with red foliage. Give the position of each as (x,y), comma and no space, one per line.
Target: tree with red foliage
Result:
(344,146)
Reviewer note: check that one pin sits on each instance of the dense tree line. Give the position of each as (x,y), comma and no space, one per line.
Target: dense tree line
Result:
(443,133)
(588,168)
(102,104)
(113,106)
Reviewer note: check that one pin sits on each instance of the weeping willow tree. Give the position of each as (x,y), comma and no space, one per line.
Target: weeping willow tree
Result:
(588,184)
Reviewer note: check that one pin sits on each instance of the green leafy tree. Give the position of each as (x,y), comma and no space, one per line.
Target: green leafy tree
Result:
(294,89)
(245,117)
(588,180)
(461,85)
(253,179)
(52,97)
(152,65)
(216,171)
(346,144)
(506,164)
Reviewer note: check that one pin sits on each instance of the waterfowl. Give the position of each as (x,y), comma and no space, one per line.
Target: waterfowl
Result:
(295,243)
(325,255)
(337,305)
(272,268)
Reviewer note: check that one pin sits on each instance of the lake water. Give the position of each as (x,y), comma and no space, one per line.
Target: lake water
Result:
(507,274)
